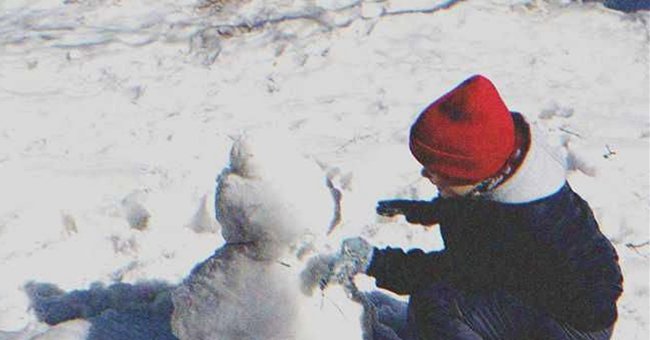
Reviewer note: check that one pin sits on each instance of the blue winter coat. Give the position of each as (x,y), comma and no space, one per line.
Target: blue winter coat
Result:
(548,252)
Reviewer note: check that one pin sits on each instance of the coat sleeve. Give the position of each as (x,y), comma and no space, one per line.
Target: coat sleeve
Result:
(406,272)
(586,282)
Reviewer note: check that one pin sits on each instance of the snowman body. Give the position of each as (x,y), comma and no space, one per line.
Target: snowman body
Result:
(273,213)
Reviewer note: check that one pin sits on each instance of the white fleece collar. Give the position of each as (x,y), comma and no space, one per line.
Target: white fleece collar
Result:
(541,174)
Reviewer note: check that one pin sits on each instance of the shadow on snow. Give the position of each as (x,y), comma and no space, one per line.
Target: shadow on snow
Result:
(143,311)
(118,312)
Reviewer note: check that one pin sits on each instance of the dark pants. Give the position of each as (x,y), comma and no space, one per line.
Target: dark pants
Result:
(442,312)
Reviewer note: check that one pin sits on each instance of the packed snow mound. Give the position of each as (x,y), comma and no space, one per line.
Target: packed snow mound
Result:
(274,205)
(70,330)
(271,195)
(235,295)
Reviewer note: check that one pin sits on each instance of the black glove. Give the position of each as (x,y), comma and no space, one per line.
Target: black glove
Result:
(417,212)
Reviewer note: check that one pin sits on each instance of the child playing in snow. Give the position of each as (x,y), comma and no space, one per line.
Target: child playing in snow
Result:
(523,258)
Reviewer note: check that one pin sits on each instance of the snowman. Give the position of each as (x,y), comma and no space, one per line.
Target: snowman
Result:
(275,210)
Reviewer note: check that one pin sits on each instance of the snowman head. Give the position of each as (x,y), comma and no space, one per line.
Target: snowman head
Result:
(270,195)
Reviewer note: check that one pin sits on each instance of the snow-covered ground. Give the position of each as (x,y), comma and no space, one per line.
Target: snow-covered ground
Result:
(117,116)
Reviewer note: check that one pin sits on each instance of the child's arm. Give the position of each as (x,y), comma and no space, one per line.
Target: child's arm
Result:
(404,272)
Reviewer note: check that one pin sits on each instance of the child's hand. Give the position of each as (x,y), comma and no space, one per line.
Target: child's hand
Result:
(417,212)
(353,258)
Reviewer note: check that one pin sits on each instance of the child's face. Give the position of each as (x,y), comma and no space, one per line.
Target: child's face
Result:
(447,188)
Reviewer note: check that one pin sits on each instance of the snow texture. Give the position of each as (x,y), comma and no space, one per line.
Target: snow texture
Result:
(118,115)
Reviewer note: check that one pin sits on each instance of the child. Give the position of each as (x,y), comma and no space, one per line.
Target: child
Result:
(523,258)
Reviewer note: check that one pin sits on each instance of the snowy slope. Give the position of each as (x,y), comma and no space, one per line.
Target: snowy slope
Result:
(117,117)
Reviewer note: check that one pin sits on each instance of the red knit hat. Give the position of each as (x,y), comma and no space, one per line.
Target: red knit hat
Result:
(467,135)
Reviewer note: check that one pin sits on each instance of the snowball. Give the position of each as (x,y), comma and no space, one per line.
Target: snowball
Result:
(270,194)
